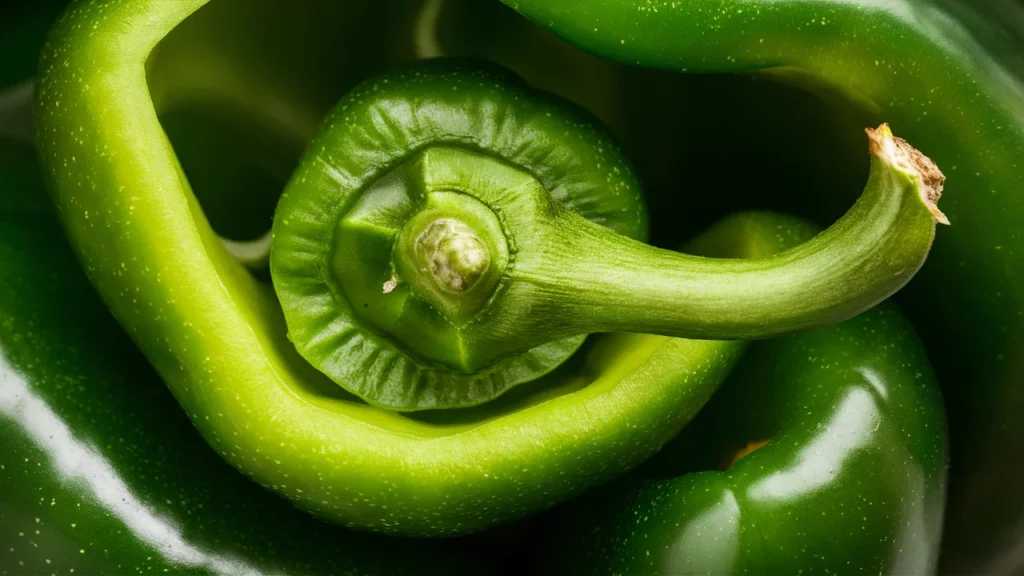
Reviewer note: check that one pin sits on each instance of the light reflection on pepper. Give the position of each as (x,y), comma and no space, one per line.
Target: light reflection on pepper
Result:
(849,429)
(80,463)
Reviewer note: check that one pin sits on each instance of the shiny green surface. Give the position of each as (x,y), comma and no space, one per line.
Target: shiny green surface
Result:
(947,75)
(852,479)
(673,123)
(100,472)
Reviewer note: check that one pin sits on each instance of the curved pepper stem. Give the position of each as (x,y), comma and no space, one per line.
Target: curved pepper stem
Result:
(595,281)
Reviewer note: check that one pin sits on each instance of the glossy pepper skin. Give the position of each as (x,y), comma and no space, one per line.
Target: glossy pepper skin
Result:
(949,76)
(979,404)
(852,478)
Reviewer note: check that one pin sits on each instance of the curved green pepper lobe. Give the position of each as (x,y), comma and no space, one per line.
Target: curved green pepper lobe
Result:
(402,224)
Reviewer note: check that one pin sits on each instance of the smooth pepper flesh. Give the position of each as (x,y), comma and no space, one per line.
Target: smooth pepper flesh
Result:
(993,333)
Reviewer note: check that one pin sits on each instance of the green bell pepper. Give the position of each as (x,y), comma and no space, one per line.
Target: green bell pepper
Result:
(608,104)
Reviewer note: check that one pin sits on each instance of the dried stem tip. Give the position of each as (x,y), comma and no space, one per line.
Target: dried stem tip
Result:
(898,153)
